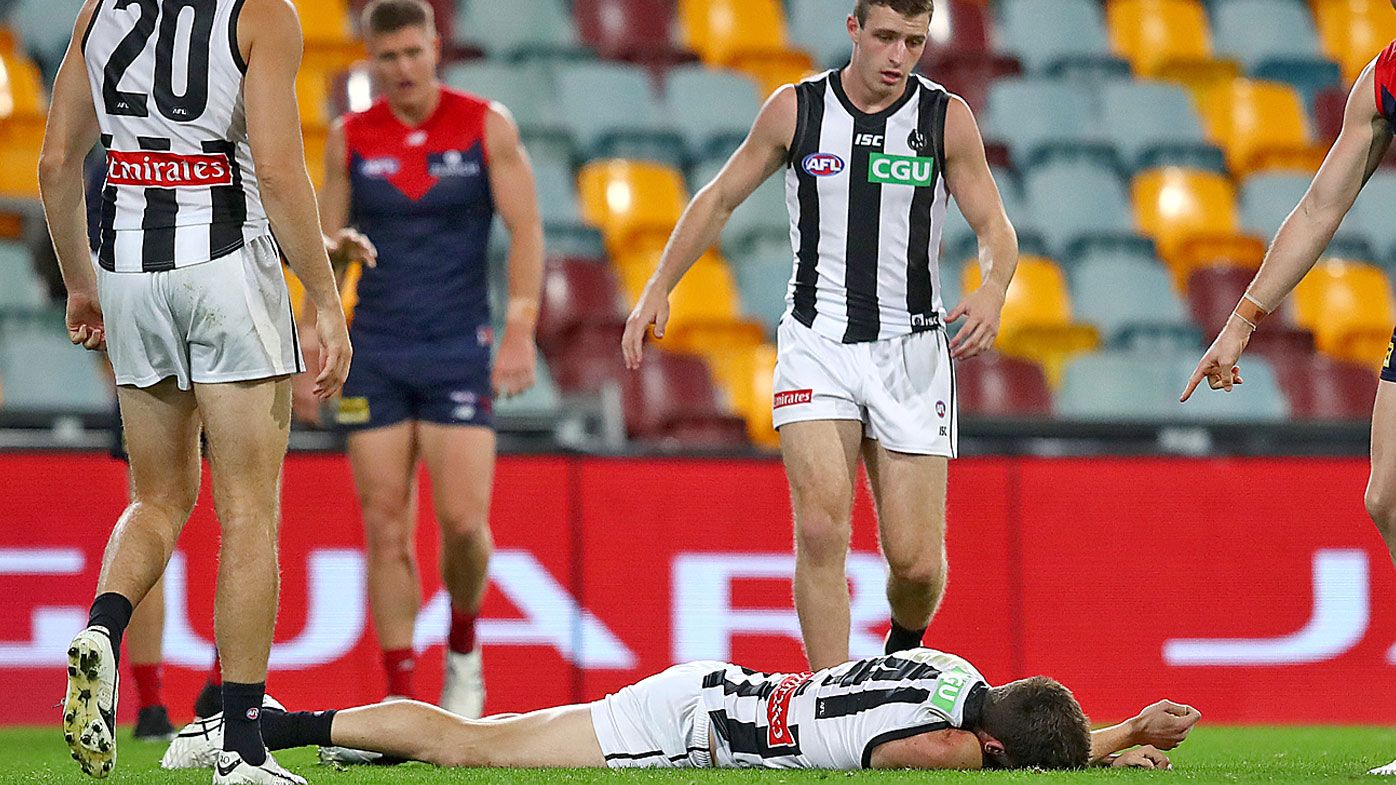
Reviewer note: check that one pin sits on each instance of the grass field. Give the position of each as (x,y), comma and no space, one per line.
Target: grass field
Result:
(31,756)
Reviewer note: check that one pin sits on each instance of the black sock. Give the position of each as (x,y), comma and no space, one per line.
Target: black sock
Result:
(283,730)
(901,639)
(111,612)
(242,728)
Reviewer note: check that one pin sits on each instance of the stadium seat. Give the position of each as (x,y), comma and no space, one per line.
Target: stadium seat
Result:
(44,27)
(1075,201)
(705,309)
(542,401)
(745,374)
(1371,215)
(1321,388)
(969,75)
(671,402)
(1312,78)
(763,276)
(631,201)
(1189,213)
(1130,301)
(1348,307)
(629,123)
(1037,321)
(992,385)
(21,138)
(1048,35)
(1146,118)
(527,90)
(20,286)
(324,21)
(1151,34)
(557,191)
(1257,31)
(1253,121)
(44,372)
(712,109)
(726,32)
(21,87)
(1030,113)
(762,217)
(1354,31)
(773,70)
(1267,198)
(638,31)
(816,26)
(1212,294)
(519,29)
(1144,386)
(577,294)
(958,28)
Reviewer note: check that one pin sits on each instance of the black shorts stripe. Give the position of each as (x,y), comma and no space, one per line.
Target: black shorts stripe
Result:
(809,124)
(652,754)
(864,230)
(919,294)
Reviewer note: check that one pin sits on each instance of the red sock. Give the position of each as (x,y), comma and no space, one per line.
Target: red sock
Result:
(461,639)
(215,671)
(147,678)
(401,666)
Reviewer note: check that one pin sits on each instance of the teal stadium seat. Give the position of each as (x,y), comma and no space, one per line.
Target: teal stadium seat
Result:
(1274,39)
(1032,113)
(1145,119)
(763,276)
(1370,215)
(957,238)
(1047,36)
(713,109)
(518,29)
(556,184)
(1144,385)
(1132,301)
(1267,198)
(20,287)
(951,281)
(613,112)
(542,400)
(1073,202)
(814,28)
(45,27)
(44,372)
(763,216)
(527,91)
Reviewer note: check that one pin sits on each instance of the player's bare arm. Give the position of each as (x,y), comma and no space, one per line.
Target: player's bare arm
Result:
(761,154)
(71,132)
(1358,151)
(1161,725)
(516,200)
(270,39)
(951,748)
(344,244)
(969,180)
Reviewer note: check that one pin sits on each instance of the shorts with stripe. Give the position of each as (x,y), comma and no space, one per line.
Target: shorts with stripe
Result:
(225,320)
(658,722)
(902,389)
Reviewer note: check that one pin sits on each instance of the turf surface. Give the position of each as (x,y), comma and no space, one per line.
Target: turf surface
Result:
(30,756)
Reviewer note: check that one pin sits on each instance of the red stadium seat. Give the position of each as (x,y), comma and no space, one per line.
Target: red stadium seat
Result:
(632,30)
(969,74)
(1321,388)
(1214,291)
(993,385)
(671,402)
(959,27)
(589,359)
(576,293)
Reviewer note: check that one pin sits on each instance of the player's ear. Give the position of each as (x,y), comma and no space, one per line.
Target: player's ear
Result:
(852,24)
(994,754)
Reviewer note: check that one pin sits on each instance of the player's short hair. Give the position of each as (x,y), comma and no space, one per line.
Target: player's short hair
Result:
(389,16)
(903,7)
(1039,723)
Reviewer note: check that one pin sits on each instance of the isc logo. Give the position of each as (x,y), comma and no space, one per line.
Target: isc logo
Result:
(822,164)
(868,140)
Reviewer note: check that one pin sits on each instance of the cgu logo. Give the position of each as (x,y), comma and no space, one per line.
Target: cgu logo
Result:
(900,170)
(823,164)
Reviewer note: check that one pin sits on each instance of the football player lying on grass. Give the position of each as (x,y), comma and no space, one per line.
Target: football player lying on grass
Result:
(917,709)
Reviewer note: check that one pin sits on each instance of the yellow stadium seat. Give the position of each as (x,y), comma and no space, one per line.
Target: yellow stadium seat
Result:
(1152,33)
(9,40)
(1348,307)
(348,289)
(746,374)
(1191,215)
(772,70)
(314,137)
(631,202)
(21,87)
(705,309)
(21,138)
(723,31)
(1354,31)
(1250,119)
(1037,322)
(324,20)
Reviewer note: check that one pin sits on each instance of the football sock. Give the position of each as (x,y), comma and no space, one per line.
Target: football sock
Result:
(111,612)
(901,639)
(242,730)
(461,638)
(286,729)
(148,685)
(401,667)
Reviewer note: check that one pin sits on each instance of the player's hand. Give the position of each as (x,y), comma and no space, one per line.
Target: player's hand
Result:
(1218,365)
(335,353)
(1141,758)
(515,365)
(653,309)
(85,325)
(1164,724)
(351,245)
(981,310)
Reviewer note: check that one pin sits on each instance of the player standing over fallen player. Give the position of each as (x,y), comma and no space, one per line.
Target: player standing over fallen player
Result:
(194,101)
(864,370)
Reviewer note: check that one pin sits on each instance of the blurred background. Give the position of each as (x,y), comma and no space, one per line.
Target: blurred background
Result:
(1146,151)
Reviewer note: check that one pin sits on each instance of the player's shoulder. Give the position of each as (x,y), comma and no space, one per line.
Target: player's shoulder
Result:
(378,113)
(1383,70)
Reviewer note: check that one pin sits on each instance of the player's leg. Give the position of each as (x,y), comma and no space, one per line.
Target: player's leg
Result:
(460,462)
(909,491)
(248,424)
(384,460)
(162,427)
(1381,485)
(144,650)
(821,463)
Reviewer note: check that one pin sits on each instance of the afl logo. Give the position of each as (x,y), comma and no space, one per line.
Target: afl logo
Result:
(940,408)
(822,164)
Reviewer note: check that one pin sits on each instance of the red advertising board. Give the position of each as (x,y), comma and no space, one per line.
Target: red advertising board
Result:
(1255,589)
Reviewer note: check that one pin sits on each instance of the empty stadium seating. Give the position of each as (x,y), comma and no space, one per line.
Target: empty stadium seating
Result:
(1076,201)
(1348,307)
(1189,213)
(1354,31)
(1037,320)
(1046,36)
(631,201)
(671,402)
(1256,122)
(1149,118)
(519,29)
(1031,113)
(992,385)
(1152,34)
(1131,302)
(633,30)
(1145,385)
(630,122)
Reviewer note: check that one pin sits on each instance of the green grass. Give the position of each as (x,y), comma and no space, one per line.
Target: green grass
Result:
(31,756)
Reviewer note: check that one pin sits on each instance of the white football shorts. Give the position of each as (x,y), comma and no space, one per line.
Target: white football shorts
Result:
(658,722)
(225,320)
(902,389)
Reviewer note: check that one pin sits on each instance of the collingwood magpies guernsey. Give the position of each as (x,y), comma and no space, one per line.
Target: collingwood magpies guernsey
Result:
(835,718)
(180,186)
(867,198)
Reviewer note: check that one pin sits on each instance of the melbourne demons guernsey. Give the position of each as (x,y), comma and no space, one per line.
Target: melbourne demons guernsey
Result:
(1384,77)
(422,195)
(867,199)
(180,185)
(835,718)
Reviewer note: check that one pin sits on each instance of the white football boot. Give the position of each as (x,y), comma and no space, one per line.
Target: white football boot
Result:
(198,744)
(463,692)
(1389,770)
(231,769)
(89,710)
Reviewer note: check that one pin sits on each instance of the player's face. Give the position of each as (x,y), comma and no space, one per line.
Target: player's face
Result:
(888,46)
(404,64)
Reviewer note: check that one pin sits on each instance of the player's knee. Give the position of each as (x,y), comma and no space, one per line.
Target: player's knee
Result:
(822,537)
(919,569)
(465,528)
(173,502)
(1381,506)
